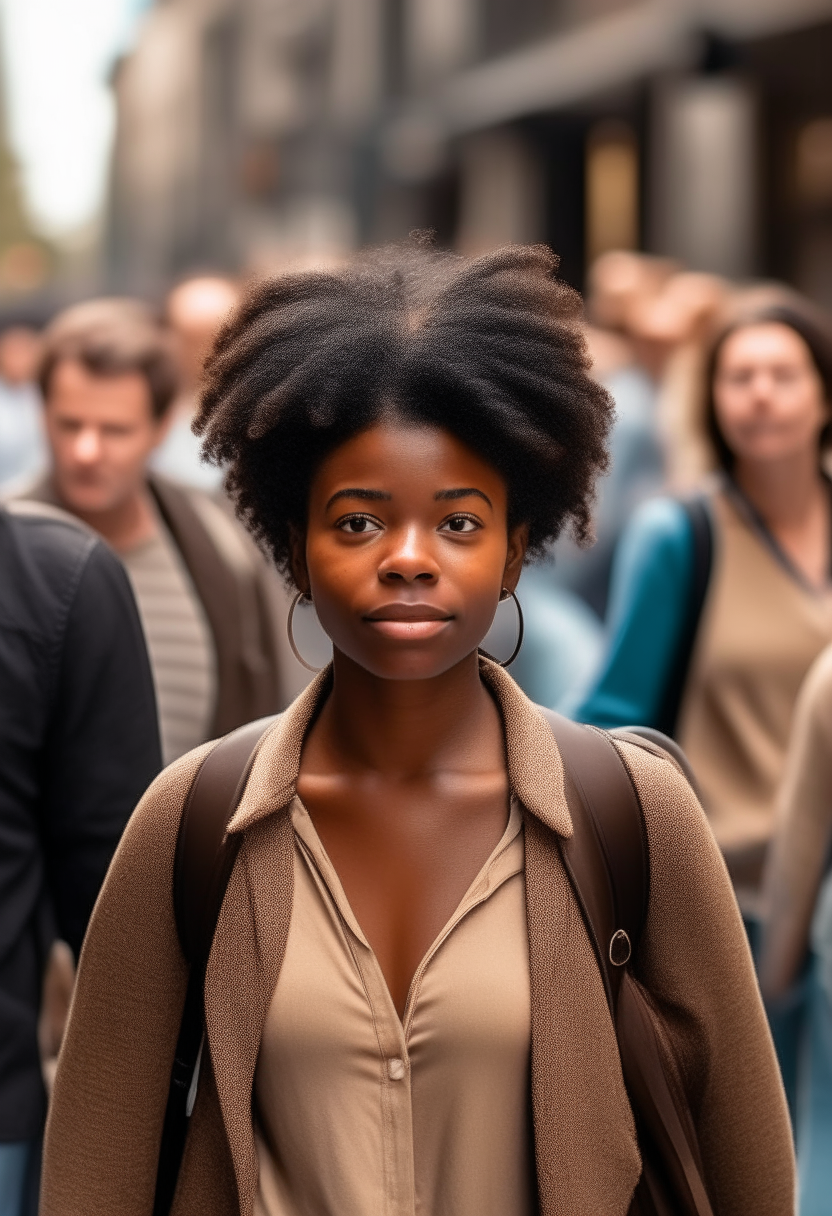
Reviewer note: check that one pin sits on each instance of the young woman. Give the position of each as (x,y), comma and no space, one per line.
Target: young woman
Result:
(404,1012)
(767,613)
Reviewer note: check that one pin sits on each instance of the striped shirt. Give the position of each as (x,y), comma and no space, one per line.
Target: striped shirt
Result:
(179,642)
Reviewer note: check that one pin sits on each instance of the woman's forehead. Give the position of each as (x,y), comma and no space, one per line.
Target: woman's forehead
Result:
(390,457)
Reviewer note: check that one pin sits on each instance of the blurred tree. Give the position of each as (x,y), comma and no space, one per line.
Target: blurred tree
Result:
(24,257)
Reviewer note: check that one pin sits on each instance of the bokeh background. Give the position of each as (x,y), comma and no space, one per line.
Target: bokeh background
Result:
(143,140)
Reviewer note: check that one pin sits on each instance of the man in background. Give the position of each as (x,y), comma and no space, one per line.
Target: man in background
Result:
(194,311)
(79,743)
(213,613)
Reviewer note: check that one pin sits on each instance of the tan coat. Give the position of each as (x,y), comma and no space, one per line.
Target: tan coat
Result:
(105,1124)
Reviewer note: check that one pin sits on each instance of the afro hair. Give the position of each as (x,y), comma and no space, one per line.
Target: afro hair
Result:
(490,349)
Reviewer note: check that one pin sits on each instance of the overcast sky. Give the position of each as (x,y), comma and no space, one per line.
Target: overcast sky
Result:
(56,59)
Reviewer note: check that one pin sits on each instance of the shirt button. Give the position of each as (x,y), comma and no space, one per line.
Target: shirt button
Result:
(395,1069)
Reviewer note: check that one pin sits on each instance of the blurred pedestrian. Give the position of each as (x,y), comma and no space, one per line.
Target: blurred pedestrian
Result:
(622,285)
(564,598)
(195,310)
(79,743)
(22,443)
(796,954)
(720,604)
(766,609)
(212,612)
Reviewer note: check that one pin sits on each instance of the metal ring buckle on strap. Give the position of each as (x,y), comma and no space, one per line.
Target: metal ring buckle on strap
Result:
(620,948)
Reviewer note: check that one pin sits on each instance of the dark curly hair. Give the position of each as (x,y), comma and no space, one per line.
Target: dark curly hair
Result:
(489,349)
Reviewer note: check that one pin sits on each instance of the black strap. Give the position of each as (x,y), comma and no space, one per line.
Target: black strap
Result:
(699,518)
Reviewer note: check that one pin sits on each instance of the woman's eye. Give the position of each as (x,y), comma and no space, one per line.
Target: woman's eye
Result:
(358,524)
(461,523)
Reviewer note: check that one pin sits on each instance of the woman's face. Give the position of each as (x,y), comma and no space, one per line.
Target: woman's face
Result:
(407,549)
(768,395)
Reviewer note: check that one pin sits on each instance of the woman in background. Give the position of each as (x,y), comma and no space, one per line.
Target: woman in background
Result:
(721,604)
(725,682)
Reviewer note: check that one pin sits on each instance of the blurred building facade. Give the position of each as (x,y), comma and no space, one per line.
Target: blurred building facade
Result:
(256,134)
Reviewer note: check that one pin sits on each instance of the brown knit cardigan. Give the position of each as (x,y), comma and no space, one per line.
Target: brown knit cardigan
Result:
(105,1123)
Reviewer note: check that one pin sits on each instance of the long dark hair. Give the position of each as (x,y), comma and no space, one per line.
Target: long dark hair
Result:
(808,324)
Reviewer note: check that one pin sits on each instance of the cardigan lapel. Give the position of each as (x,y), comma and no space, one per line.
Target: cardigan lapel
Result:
(585,1143)
(253,927)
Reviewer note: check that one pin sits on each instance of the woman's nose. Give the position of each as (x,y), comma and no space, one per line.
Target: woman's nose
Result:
(409,559)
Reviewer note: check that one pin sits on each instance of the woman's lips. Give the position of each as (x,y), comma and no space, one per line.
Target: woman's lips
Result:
(409,622)
(409,631)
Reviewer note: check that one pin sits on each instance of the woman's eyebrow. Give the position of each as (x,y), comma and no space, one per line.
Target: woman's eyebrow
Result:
(367,495)
(466,492)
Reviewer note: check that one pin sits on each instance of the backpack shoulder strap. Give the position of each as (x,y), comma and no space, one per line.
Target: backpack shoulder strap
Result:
(205,855)
(203,862)
(607,861)
(607,857)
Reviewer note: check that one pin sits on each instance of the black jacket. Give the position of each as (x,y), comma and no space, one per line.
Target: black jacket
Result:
(79,743)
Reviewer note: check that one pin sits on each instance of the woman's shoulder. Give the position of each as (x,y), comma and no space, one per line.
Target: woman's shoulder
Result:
(678,831)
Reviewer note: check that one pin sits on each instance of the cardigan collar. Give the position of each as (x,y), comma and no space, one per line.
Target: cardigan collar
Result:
(535,767)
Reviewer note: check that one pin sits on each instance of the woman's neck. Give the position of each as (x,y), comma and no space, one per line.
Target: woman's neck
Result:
(411,728)
(785,493)
(792,499)
(126,525)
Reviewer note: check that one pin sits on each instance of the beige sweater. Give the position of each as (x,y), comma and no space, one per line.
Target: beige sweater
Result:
(106,1118)
(760,632)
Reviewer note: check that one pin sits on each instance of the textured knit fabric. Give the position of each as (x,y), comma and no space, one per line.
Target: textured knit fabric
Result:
(439,1117)
(179,642)
(760,632)
(111,1088)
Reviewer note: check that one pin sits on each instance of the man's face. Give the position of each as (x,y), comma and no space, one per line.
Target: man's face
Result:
(101,430)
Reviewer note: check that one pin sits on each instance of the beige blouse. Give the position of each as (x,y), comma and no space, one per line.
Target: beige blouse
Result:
(360,1113)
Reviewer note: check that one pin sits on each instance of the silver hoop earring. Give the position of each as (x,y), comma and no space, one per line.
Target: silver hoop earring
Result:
(301,595)
(504,595)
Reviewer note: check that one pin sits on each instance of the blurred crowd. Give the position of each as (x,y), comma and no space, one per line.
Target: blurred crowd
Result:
(704,609)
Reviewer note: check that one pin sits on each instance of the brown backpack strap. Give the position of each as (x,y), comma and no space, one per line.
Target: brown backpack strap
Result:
(607,860)
(203,862)
(204,853)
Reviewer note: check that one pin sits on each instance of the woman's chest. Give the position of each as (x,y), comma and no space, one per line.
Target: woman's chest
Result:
(761,628)
(405,859)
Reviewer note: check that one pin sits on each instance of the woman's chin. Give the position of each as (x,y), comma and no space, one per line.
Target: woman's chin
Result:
(407,662)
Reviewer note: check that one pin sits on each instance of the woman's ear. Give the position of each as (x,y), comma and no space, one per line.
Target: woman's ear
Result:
(297,559)
(518,543)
